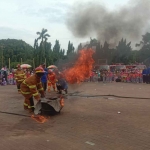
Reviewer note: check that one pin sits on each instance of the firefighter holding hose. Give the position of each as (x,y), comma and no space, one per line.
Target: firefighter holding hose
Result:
(31,87)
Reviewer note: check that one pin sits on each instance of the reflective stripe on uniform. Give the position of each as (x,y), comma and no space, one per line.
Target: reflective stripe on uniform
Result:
(21,80)
(36,94)
(41,89)
(25,92)
(25,83)
(25,104)
(20,74)
(31,107)
(39,83)
(32,86)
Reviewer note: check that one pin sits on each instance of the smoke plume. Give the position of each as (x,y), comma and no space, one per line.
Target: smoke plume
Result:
(130,21)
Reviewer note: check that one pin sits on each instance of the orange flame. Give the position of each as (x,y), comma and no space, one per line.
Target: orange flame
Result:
(62,102)
(39,118)
(82,68)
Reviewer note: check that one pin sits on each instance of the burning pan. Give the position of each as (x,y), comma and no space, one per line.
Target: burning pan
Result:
(49,106)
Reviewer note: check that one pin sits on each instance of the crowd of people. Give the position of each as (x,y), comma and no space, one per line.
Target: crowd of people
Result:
(7,76)
(48,80)
(134,76)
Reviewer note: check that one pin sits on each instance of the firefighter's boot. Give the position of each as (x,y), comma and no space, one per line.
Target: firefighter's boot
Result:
(25,105)
(31,109)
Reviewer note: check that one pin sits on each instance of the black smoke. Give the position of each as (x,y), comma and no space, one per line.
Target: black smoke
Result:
(130,21)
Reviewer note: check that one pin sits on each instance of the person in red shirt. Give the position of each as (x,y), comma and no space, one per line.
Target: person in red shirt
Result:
(51,80)
(91,76)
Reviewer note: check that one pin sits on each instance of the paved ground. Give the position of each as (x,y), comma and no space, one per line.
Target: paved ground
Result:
(85,123)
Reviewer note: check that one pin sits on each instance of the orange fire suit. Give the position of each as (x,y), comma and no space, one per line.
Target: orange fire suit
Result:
(19,77)
(31,87)
(51,81)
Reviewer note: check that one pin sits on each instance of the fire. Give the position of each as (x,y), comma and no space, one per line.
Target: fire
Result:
(62,102)
(39,118)
(82,68)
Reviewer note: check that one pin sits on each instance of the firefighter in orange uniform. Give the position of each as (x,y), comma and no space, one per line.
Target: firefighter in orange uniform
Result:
(51,80)
(31,87)
(19,76)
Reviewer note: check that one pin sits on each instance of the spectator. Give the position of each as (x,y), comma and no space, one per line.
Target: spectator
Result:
(44,77)
(99,76)
(104,76)
(110,76)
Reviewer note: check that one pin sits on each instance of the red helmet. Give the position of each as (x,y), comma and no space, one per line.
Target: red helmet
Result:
(39,70)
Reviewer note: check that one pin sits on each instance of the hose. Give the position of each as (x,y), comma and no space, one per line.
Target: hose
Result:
(9,113)
(87,96)
(107,95)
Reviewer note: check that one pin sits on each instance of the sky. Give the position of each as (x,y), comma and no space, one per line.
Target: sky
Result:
(22,19)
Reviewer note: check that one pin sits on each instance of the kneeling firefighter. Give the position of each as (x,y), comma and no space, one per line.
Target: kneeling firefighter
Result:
(31,87)
(62,86)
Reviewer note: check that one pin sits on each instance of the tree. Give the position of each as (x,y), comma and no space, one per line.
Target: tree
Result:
(144,45)
(42,49)
(146,39)
(122,52)
(56,51)
(15,50)
(79,47)
(42,35)
(70,48)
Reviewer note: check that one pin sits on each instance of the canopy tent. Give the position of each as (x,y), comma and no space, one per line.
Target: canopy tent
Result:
(25,66)
(52,67)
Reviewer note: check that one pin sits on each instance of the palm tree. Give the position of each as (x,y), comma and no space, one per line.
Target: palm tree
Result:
(42,34)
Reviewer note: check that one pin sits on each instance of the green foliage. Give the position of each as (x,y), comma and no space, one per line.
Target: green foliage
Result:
(15,50)
(14,64)
(146,39)
(79,47)
(70,48)
(144,52)
(123,52)
(43,50)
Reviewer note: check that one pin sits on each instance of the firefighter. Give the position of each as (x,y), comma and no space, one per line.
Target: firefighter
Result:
(19,76)
(31,87)
(51,80)
(61,82)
